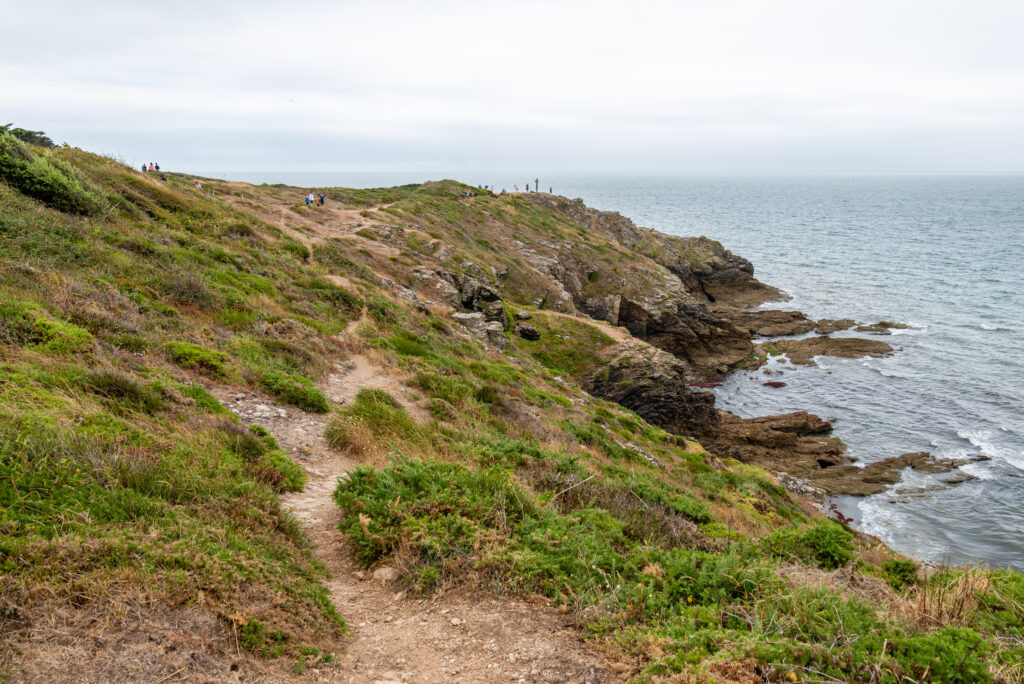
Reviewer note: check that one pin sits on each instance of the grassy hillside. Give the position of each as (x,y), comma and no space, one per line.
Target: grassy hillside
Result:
(129,302)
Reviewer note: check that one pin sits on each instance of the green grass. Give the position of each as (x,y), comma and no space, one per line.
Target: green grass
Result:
(703,607)
(120,473)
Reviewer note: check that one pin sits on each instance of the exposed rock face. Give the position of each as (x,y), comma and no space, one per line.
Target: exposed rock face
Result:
(474,323)
(654,385)
(495,333)
(803,351)
(689,332)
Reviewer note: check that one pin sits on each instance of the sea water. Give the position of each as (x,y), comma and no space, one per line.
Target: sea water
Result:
(943,254)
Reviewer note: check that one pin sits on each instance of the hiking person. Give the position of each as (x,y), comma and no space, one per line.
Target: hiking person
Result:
(157,166)
(143,167)
(323,200)
(199,186)
(151,166)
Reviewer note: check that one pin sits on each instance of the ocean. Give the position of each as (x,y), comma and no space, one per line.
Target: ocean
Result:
(943,254)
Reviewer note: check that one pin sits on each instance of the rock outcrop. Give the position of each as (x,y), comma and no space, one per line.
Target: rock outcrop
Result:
(654,384)
(803,351)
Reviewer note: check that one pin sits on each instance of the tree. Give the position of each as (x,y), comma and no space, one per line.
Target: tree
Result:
(32,137)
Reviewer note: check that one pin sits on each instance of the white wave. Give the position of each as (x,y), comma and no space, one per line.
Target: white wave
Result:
(911,329)
(882,520)
(978,470)
(990,327)
(981,440)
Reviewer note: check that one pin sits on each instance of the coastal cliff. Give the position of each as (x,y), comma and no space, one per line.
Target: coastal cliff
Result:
(423,433)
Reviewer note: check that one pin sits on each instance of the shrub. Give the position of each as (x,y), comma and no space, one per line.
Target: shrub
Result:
(333,255)
(119,387)
(21,323)
(203,398)
(296,248)
(44,176)
(295,390)
(348,303)
(264,459)
(195,357)
(899,573)
(187,288)
(827,545)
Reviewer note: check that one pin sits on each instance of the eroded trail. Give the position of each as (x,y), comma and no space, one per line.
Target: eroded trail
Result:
(458,636)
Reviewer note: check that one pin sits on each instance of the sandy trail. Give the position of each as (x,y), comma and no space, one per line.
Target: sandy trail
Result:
(459,636)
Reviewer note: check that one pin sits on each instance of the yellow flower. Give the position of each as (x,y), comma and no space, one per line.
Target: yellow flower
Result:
(791,676)
(689,599)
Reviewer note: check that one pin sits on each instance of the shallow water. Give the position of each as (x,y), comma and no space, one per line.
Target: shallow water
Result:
(944,254)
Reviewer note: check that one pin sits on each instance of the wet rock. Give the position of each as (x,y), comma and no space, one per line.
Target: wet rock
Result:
(774,383)
(772,323)
(527,332)
(882,327)
(827,326)
(803,351)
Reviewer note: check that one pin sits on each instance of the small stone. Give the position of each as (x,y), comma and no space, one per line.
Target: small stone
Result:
(523,315)
(385,575)
(456,621)
(359,575)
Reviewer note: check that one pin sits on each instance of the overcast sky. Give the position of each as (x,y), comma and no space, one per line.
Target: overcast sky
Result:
(694,87)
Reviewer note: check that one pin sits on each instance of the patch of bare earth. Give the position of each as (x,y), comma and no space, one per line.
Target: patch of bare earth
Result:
(455,636)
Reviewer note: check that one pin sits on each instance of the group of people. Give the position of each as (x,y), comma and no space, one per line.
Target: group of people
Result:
(317,201)
(151,167)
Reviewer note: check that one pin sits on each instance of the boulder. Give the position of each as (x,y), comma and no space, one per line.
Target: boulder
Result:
(474,323)
(527,332)
(495,335)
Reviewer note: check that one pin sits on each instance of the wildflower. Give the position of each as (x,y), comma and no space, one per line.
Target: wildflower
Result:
(791,676)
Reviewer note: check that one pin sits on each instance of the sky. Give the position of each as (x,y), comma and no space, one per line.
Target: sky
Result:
(730,86)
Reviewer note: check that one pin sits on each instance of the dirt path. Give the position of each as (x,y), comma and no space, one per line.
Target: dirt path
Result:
(460,636)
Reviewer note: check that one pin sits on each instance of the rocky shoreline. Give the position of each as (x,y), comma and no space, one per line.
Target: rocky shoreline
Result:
(690,308)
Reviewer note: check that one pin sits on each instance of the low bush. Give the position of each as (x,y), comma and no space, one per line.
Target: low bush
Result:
(41,174)
(900,573)
(295,390)
(264,459)
(296,249)
(826,544)
(197,358)
(22,323)
(124,390)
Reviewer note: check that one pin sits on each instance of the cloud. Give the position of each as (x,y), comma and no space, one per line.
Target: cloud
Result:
(736,85)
